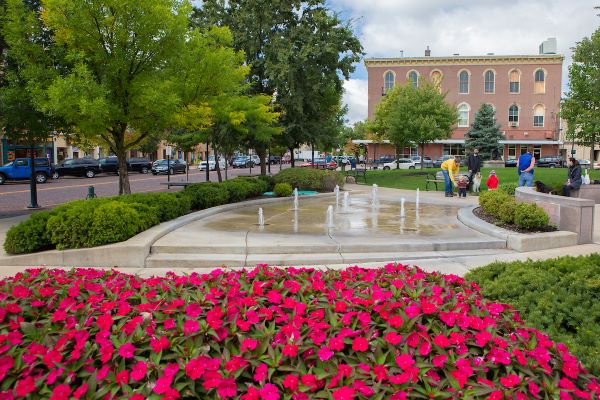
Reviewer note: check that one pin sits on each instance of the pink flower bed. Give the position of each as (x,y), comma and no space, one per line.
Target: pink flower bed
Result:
(389,333)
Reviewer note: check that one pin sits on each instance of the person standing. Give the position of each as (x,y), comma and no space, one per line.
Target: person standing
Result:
(473,165)
(450,169)
(574,181)
(525,165)
(492,181)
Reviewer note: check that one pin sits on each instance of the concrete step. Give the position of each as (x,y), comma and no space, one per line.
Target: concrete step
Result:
(328,247)
(209,261)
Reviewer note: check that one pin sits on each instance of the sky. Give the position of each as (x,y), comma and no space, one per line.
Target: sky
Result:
(468,27)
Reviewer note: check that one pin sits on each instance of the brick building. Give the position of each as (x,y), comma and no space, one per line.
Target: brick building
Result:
(525,91)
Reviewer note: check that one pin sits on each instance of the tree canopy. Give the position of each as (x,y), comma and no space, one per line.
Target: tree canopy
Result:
(485,133)
(581,106)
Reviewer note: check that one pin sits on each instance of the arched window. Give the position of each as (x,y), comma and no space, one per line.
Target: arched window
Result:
(389,80)
(463,115)
(436,79)
(413,77)
(490,81)
(538,116)
(513,115)
(540,81)
(514,80)
(463,82)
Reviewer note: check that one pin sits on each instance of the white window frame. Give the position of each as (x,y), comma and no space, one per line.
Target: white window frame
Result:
(468,110)
(408,77)
(518,81)
(485,81)
(385,82)
(460,74)
(454,149)
(535,81)
(518,112)
(535,108)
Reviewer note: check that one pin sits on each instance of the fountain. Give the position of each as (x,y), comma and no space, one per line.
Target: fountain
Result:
(329,223)
(402,213)
(261,218)
(346,202)
(417,199)
(337,195)
(374,197)
(295,221)
(295,199)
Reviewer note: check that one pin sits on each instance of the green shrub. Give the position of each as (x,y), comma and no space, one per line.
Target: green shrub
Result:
(30,235)
(269,180)
(257,187)
(559,297)
(115,222)
(71,223)
(492,200)
(531,216)
(206,195)
(283,190)
(167,206)
(507,211)
(509,188)
(310,179)
(238,189)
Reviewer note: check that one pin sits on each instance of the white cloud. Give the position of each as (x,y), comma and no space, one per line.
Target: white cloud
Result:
(387,27)
(355,96)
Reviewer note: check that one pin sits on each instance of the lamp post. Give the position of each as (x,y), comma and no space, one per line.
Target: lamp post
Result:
(207,164)
(32,182)
(169,149)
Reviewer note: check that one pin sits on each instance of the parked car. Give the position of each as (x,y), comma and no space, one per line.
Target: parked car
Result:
(511,162)
(20,169)
(139,164)
(383,160)
(273,160)
(549,162)
(427,161)
(111,165)
(585,164)
(242,162)
(168,166)
(401,163)
(320,163)
(438,163)
(87,167)
(212,165)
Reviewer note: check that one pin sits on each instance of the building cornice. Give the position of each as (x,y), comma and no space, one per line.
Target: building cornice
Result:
(465,60)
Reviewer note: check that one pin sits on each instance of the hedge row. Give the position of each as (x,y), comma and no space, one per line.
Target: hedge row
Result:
(559,297)
(504,208)
(89,223)
(310,179)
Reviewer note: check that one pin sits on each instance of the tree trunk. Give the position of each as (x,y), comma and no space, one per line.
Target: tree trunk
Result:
(312,155)
(262,154)
(421,155)
(592,145)
(124,187)
(217,166)
(32,181)
(292,160)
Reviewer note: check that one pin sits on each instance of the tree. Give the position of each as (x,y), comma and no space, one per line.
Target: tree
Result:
(120,87)
(26,51)
(485,133)
(414,116)
(299,52)
(581,106)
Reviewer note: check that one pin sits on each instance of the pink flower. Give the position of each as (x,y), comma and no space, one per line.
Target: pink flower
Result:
(325,353)
(260,373)
(360,344)
(127,350)
(248,344)
(510,381)
(336,343)
(190,326)
(104,322)
(169,324)
(269,392)
(25,386)
(396,321)
(159,345)
(290,382)
(441,341)
(496,395)
(344,393)
(61,392)
(405,361)
(137,396)
(439,360)
(227,388)
(122,377)
(393,338)
(290,350)
(162,384)
(80,391)
(274,297)
(138,372)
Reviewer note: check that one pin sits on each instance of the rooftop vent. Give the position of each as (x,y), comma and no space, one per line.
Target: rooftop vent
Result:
(427,52)
(490,54)
(456,54)
(548,46)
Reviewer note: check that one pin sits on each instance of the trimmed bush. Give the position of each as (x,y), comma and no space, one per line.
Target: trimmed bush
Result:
(239,189)
(30,235)
(310,179)
(117,221)
(206,195)
(492,200)
(509,188)
(269,180)
(257,186)
(283,190)
(559,297)
(531,216)
(167,206)
(506,213)
(71,223)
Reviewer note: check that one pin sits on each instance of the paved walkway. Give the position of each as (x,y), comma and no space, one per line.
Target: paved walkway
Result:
(451,264)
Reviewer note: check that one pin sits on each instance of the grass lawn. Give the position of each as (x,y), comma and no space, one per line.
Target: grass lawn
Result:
(413,179)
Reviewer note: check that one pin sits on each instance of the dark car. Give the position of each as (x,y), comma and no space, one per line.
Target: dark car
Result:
(19,170)
(511,163)
(139,164)
(109,165)
(427,161)
(168,166)
(549,162)
(87,167)
(384,160)
(242,162)
(438,163)
(320,163)
(274,160)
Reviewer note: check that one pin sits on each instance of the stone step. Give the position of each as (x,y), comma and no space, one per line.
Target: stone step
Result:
(328,247)
(211,261)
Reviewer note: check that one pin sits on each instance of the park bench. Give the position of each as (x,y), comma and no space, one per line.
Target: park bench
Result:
(356,172)
(435,179)
(184,184)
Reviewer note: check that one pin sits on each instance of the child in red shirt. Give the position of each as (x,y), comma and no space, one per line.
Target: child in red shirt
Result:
(492,182)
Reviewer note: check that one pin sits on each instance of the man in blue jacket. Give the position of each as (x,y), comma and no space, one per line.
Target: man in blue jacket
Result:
(525,165)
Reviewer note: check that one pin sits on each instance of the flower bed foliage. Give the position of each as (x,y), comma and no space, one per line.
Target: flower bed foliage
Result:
(558,296)
(283,190)
(89,223)
(389,333)
(504,209)
(310,179)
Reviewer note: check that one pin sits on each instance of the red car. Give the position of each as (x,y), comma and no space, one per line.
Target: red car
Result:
(320,163)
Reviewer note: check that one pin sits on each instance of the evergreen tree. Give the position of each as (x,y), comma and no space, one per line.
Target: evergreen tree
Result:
(485,133)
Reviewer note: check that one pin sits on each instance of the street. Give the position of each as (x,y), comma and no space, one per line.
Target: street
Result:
(15,197)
